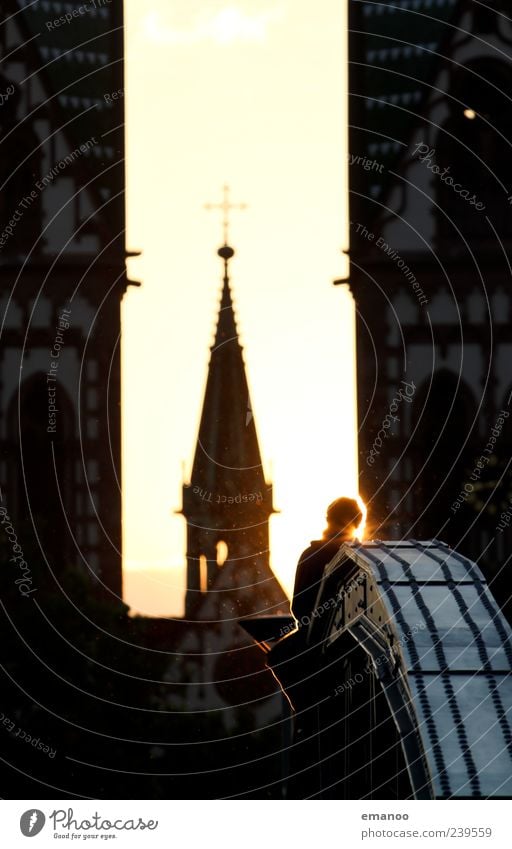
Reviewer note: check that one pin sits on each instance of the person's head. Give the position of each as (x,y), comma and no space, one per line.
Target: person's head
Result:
(343,516)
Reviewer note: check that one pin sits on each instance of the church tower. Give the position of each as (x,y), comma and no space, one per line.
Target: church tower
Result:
(228,502)
(62,279)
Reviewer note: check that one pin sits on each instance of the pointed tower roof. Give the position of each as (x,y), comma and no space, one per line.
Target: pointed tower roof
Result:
(227,459)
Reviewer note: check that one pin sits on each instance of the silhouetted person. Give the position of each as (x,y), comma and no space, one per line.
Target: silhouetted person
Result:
(343,518)
(299,663)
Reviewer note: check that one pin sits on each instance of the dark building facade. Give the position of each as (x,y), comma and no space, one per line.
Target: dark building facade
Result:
(430,88)
(62,278)
(127,707)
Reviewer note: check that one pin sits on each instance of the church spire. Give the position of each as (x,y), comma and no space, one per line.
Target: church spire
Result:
(227,458)
(228,500)
(225,207)
(226,326)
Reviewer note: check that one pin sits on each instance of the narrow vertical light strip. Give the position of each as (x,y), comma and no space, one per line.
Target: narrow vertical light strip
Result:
(248,110)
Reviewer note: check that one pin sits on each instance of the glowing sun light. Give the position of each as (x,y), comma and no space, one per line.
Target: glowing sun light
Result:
(225,27)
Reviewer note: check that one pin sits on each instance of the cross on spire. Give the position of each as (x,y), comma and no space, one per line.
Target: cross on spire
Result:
(225,207)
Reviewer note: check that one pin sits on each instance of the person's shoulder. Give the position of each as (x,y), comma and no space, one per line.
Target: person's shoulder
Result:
(314,546)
